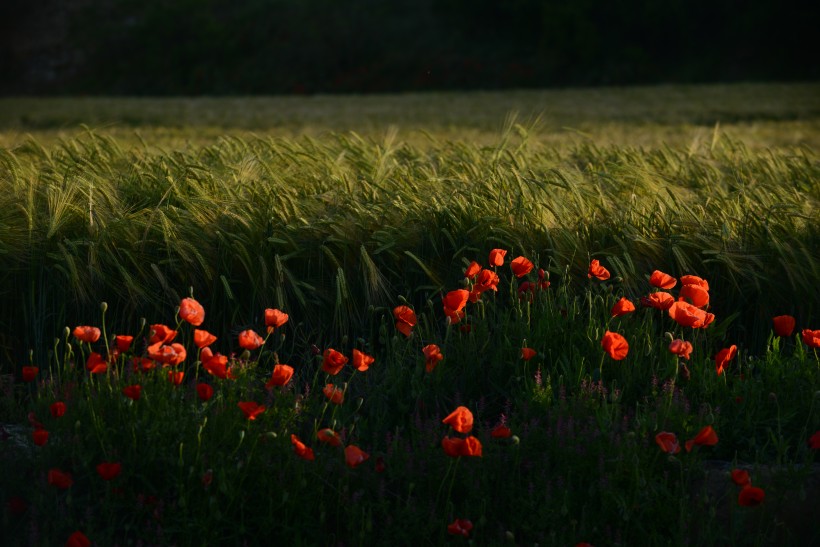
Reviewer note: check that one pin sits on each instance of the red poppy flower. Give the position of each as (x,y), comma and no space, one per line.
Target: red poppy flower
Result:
(191,311)
(355,456)
(303,451)
(362,361)
(175,377)
(543,282)
(811,337)
(204,392)
(486,280)
(216,365)
(57,409)
(497,257)
(659,300)
(461,419)
(454,301)
(783,325)
(251,409)
(615,345)
(501,431)
(59,479)
(203,338)
(705,437)
(521,266)
(472,270)
(161,334)
(16,505)
(78,539)
(687,315)
(96,363)
(249,340)
(697,295)
(622,307)
(432,356)
(87,334)
(814,441)
(405,319)
(596,270)
(333,361)
(681,348)
(142,364)
(275,318)
(336,395)
(694,280)
(281,376)
(723,357)
(30,373)
(456,446)
(167,354)
(528,353)
(109,470)
(329,437)
(133,392)
(460,527)
(750,496)
(123,342)
(39,436)
(662,280)
(668,442)
(741,477)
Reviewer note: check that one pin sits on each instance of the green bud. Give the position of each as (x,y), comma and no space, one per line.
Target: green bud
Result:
(103,307)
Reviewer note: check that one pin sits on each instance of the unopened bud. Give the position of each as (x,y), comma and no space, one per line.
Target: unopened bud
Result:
(103,307)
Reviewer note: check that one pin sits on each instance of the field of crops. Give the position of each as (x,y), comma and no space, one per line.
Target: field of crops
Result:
(437,318)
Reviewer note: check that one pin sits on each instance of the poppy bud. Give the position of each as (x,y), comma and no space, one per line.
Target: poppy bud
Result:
(245,355)
(271,435)
(142,323)
(344,340)
(402,299)
(669,336)
(66,332)
(359,403)
(515,439)
(103,307)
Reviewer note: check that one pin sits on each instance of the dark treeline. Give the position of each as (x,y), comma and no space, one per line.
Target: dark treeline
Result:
(308,46)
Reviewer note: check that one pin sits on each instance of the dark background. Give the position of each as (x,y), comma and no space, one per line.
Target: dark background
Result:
(138,47)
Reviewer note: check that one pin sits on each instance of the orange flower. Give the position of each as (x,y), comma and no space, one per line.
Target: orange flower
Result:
(78,539)
(249,340)
(783,325)
(615,345)
(216,365)
(497,257)
(336,395)
(132,392)
(191,311)
(59,479)
(301,449)
(687,315)
(329,437)
(662,280)
(694,280)
(109,470)
(596,270)
(123,342)
(622,307)
(460,527)
(811,337)
(57,409)
(87,334)
(167,354)
(461,419)
(204,391)
(456,446)
(750,496)
(405,319)
(486,280)
(39,436)
(275,319)
(251,409)
(658,300)
(501,431)
(432,356)
(681,348)
(161,334)
(528,353)
(96,363)
(472,269)
(333,361)
(668,442)
(521,266)
(741,477)
(705,437)
(723,357)
(697,295)
(281,376)
(814,441)
(30,373)
(175,377)
(203,338)
(454,301)
(362,361)
(355,456)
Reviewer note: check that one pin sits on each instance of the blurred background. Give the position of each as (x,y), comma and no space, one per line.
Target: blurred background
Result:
(230,47)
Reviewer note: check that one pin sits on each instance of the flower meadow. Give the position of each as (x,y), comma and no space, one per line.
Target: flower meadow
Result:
(512,407)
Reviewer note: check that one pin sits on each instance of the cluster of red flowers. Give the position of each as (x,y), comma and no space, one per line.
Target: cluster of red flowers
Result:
(668,442)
